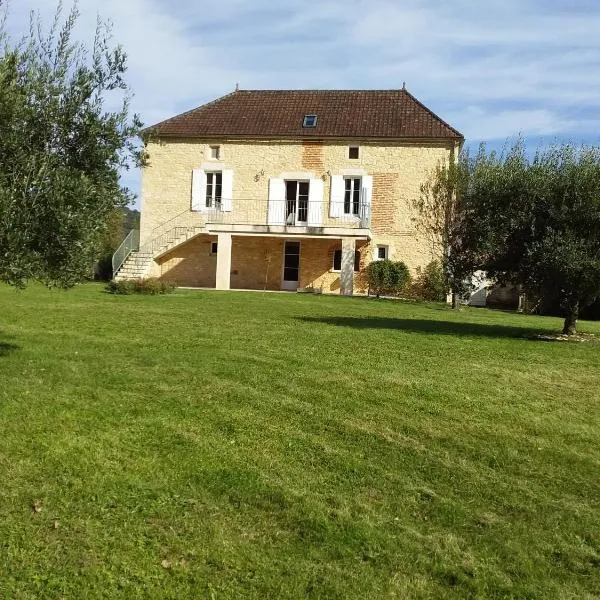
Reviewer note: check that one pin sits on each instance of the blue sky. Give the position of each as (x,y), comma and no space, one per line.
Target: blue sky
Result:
(492,69)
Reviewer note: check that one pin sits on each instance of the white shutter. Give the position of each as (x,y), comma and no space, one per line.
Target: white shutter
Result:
(315,203)
(198,189)
(227,190)
(336,198)
(276,202)
(366,196)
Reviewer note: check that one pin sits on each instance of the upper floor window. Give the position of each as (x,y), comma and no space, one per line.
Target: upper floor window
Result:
(309,121)
(353,152)
(215,152)
(296,202)
(352,195)
(214,189)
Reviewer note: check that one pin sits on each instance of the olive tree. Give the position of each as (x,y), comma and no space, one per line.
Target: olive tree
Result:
(62,148)
(536,222)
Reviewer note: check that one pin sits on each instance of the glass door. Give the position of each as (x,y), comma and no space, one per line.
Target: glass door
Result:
(291,265)
(296,202)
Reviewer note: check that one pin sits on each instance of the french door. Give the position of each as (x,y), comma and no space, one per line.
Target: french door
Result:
(296,202)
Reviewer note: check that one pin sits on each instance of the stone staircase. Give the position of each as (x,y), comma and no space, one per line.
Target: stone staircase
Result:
(138,263)
(135,267)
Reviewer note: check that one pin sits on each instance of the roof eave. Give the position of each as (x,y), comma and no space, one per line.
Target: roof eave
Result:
(213,136)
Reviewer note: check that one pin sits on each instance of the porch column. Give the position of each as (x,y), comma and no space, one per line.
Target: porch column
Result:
(347,271)
(223,261)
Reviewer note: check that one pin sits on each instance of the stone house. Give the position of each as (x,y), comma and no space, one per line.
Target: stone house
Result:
(287,190)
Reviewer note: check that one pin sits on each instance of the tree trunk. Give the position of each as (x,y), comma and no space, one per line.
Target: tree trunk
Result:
(455,301)
(570,327)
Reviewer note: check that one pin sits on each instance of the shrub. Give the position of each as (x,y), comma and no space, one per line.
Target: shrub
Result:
(387,277)
(429,283)
(151,286)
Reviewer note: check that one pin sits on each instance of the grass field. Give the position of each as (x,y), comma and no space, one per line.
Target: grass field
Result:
(246,445)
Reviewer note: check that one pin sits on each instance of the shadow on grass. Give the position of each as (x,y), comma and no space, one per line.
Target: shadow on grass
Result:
(428,326)
(6,347)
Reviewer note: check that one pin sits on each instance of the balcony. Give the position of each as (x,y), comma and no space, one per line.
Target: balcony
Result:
(300,213)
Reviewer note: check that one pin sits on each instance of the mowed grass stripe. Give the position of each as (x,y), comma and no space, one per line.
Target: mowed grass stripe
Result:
(247,445)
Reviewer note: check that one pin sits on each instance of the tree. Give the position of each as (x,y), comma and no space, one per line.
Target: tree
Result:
(61,150)
(439,212)
(537,222)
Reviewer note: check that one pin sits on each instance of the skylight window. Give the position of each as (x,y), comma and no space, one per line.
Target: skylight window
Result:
(310,121)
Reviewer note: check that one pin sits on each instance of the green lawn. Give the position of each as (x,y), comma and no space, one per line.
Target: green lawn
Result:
(246,445)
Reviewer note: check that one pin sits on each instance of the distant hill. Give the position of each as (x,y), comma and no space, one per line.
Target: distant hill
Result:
(131,220)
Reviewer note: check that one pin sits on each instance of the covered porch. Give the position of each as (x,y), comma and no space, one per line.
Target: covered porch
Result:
(268,261)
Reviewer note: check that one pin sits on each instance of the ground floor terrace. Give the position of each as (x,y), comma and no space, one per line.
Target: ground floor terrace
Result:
(228,261)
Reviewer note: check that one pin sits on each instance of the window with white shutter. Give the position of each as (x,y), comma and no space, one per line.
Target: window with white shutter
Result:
(352,194)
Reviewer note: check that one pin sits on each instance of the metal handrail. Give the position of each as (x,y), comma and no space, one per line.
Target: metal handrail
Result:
(130,244)
(165,223)
(181,225)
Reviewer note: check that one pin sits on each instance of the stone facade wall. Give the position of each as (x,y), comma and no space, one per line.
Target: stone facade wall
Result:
(316,265)
(190,264)
(312,156)
(398,169)
(256,263)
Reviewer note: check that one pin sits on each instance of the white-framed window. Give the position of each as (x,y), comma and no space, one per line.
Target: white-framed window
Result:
(296,201)
(352,186)
(337,260)
(353,152)
(381,252)
(215,152)
(214,189)
(214,247)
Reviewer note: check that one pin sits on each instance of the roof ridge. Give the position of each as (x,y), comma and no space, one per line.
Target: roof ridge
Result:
(320,90)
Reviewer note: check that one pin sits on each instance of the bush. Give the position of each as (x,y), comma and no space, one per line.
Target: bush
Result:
(151,286)
(387,277)
(429,284)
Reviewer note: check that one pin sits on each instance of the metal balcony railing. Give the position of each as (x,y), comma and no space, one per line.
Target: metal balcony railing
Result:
(291,213)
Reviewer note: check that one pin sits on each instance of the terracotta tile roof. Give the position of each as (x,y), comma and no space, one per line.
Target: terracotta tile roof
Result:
(340,114)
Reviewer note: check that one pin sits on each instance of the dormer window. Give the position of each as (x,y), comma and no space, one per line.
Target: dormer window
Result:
(309,121)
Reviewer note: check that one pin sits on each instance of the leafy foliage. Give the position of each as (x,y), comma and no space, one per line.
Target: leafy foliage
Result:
(439,219)
(151,286)
(387,277)
(61,151)
(536,222)
(429,283)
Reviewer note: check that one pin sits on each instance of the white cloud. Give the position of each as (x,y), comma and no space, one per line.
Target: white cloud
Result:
(487,125)
(492,69)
